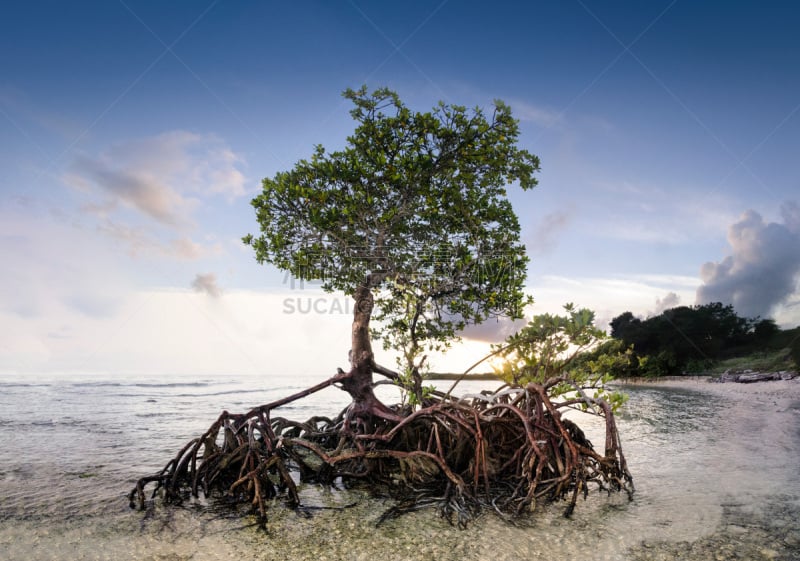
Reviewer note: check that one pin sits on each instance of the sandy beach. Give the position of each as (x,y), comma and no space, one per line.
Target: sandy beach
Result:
(784,392)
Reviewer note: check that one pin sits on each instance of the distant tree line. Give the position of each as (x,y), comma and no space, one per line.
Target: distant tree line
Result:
(690,339)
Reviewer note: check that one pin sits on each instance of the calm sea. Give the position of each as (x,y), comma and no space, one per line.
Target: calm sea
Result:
(72,447)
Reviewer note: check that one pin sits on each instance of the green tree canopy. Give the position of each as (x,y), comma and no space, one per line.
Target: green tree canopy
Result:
(411,217)
(689,337)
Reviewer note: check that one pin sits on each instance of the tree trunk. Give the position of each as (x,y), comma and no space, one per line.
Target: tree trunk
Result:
(359,380)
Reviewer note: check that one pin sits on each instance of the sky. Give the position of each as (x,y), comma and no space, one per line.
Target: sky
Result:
(134,134)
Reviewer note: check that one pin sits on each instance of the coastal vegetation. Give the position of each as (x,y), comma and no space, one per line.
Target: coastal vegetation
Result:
(703,339)
(412,221)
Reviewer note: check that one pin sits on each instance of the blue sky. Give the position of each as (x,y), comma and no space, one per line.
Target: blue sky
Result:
(134,134)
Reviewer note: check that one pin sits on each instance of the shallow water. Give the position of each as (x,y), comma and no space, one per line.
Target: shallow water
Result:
(716,478)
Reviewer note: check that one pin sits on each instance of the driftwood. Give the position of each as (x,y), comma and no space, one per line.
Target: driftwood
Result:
(506,451)
(749,377)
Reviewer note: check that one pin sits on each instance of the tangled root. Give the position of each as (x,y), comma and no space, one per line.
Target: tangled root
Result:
(506,451)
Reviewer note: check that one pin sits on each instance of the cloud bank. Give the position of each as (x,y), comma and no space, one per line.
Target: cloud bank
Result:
(762,271)
(138,187)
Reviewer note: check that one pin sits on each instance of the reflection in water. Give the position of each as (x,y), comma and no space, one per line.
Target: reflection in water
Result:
(70,451)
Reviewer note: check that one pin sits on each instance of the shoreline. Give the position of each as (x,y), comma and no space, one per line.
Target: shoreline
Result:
(786,393)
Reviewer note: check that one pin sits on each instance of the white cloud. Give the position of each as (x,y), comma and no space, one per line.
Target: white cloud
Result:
(226,179)
(667,281)
(142,192)
(671,300)
(762,271)
(161,176)
(136,188)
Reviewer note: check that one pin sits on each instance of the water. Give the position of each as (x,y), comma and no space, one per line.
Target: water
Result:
(709,472)
(69,446)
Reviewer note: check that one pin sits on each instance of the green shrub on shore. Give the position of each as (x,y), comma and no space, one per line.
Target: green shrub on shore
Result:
(762,361)
(795,348)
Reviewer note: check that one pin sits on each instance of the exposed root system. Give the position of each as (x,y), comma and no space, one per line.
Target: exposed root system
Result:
(506,452)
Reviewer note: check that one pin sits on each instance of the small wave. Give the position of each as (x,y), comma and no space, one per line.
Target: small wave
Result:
(56,422)
(44,423)
(212,394)
(157,414)
(18,385)
(140,385)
